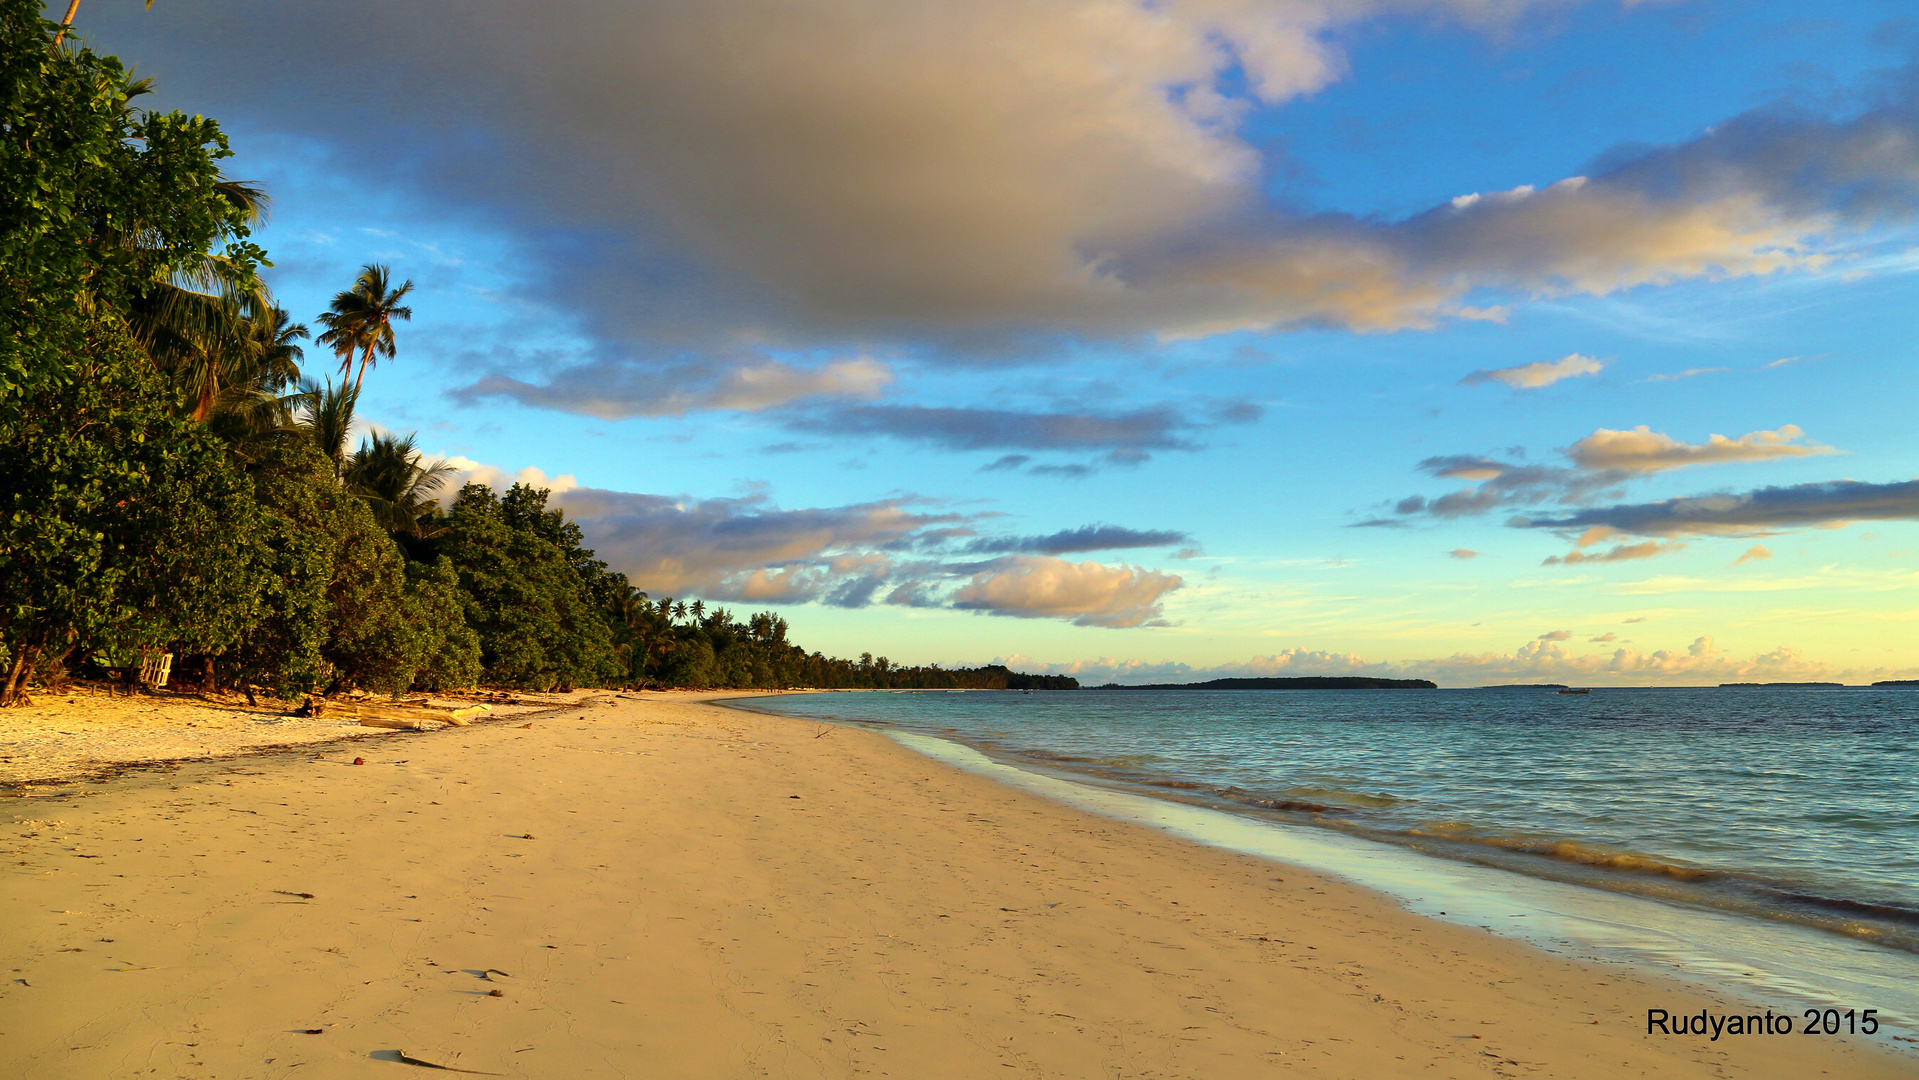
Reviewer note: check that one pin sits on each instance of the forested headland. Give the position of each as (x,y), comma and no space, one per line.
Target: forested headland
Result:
(174,480)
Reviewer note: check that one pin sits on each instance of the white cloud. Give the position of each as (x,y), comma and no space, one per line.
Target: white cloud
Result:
(1643,450)
(1539,373)
(1088,593)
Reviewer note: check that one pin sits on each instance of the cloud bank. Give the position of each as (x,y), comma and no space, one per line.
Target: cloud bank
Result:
(1701,663)
(689,177)
(1603,463)
(894,551)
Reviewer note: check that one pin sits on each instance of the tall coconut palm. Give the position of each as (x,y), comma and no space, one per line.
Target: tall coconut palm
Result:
(361,319)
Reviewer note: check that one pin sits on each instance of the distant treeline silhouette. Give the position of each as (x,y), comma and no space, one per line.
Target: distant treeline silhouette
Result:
(1303,682)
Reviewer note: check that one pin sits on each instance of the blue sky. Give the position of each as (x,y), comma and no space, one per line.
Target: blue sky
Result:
(1140,340)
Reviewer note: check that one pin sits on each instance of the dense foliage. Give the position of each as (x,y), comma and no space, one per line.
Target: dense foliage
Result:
(169,484)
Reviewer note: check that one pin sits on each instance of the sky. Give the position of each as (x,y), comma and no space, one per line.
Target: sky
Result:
(1483,341)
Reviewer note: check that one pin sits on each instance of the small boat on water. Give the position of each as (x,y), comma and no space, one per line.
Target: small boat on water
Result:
(1575,690)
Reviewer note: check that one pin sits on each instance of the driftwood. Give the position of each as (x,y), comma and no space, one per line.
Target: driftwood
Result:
(400,715)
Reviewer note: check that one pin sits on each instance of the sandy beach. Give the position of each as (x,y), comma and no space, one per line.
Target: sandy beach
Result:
(659,887)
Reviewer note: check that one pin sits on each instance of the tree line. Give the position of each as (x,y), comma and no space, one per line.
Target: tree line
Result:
(171,480)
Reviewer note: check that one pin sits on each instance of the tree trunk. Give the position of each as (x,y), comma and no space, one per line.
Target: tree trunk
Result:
(72,9)
(13,691)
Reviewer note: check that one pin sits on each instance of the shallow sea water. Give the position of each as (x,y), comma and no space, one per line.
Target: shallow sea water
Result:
(1766,840)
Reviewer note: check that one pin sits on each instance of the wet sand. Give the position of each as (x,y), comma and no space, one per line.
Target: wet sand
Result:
(662,888)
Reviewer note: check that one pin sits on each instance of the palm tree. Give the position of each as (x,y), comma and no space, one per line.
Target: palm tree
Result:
(361,320)
(387,473)
(214,345)
(272,335)
(698,608)
(326,416)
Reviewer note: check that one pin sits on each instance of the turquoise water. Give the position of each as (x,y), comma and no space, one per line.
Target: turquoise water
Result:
(1783,823)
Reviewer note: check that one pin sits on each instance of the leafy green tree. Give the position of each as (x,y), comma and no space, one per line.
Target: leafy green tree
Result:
(103,515)
(121,527)
(537,614)
(450,653)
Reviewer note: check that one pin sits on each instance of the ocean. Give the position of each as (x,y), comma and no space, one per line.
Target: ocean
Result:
(1762,839)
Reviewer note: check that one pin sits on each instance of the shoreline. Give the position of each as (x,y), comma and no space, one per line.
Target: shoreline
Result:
(688,890)
(1780,962)
(1781,965)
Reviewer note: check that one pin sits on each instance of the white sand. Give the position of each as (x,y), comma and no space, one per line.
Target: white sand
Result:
(88,733)
(662,906)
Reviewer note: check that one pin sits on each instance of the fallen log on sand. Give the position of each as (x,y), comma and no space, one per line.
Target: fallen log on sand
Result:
(389,714)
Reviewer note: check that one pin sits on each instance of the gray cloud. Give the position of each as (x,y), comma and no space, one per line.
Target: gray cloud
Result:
(1752,513)
(1502,484)
(1004,429)
(686,176)
(1069,541)
(1070,472)
(613,390)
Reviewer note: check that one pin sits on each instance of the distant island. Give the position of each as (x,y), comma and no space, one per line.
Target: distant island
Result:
(1897,682)
(1308,682)
(1785,685)
(1528,686)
